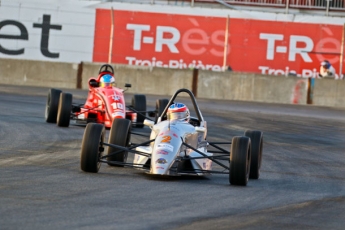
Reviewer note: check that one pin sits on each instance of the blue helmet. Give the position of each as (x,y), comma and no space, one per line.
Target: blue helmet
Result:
(107,81)
(326,64)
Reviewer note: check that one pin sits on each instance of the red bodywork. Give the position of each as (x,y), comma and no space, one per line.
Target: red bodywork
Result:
(103,104)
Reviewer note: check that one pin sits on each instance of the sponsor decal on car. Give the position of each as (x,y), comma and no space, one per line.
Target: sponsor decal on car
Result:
(115,97)
(162,152)
(159,167)
(161,161)
(165,146)
(118,114)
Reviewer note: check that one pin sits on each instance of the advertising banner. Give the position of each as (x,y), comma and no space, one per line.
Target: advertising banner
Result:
(183,41)
(46,30)
(72,31)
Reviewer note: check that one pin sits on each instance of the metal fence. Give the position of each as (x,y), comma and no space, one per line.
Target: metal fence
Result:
(328,5)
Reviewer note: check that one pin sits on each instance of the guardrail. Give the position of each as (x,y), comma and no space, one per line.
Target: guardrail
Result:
(327,5)
(320,5)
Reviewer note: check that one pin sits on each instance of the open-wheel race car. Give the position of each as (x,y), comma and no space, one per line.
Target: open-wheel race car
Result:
(104,102)
(177,145)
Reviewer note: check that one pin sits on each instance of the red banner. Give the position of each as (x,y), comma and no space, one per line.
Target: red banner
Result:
(188,41)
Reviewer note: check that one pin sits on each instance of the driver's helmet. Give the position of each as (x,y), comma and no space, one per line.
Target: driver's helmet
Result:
(107,81)
(326,64)
(178,111)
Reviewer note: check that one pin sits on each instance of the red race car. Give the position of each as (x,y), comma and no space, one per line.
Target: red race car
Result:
(104,103)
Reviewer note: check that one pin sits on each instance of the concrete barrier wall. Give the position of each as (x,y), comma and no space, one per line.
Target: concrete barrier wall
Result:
(162,81)
(329,92)
(38,73)
(252,87)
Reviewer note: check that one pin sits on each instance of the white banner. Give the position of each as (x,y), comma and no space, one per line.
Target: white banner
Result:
(47,30)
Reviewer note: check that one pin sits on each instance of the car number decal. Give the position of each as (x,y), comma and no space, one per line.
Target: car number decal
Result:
(117,106)
(166,139)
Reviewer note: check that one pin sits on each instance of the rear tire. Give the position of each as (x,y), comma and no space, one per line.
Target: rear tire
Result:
(52,105)
(160,106)
(239,161)
(119,135)
(64,110)
(139,104)
(256,140)
(92,147)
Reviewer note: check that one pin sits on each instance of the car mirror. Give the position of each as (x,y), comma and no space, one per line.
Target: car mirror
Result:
(200,129)
(149,123)
(94,83)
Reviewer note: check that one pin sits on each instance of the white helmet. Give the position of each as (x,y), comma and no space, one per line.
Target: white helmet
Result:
(178,111)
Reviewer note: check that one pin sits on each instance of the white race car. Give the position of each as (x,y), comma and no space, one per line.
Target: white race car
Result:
(174,148)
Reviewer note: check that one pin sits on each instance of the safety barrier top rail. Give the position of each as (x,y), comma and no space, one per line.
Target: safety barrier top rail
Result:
(320,5)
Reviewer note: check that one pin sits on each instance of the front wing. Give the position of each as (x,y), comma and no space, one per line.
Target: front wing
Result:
(183,165)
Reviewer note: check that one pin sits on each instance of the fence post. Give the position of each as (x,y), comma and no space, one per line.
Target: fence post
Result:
(287,6)
(79,75)
(327,7)
(310,91)
(195,82)
(341,76)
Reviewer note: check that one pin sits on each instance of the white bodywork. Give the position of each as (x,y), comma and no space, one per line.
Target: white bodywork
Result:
(167,150)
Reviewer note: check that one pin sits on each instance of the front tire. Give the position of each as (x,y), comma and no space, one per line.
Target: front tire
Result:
(92,147)
(256,140)
(139,104)
(239,161)
(52,105)
(119,135)
(64,110)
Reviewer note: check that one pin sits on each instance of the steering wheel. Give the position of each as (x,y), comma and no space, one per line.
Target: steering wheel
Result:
(106,68)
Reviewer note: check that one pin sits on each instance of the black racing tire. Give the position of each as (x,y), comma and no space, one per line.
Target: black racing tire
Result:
(256,140)
(92,147)
(119,135)
(239,161)
(64,110)
(160,106)
(139,104)
(52,105)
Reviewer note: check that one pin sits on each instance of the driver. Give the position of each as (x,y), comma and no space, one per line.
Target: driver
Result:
(107,81)
(326,69)
(178,111)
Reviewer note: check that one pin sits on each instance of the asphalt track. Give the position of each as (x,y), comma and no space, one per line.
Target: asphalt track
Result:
(302,182)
